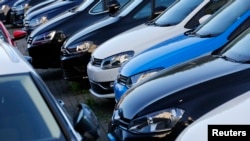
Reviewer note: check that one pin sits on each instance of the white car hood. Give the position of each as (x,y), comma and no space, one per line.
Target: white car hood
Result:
(142,37)
(137,39)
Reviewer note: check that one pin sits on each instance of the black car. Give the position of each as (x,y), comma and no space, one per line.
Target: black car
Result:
(5,10)
(45,52)
(161,106)
(76,51)
(44,14)
(29,110)
(18,10)
(38,6)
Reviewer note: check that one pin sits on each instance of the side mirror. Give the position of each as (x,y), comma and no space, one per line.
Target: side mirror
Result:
(157,11)
(204,18)
(19,34)
(113,7)
(86,123)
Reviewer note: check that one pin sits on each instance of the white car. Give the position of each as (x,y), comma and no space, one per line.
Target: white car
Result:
(106,60)
(234,113)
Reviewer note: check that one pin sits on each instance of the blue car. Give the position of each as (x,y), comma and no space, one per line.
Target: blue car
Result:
(216,32)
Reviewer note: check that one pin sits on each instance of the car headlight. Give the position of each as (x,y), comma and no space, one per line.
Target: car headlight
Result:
(5,8)
(156,122)
(38,21)
(26,6)
(44,38)
(117,60)
(141,76)
(87,46)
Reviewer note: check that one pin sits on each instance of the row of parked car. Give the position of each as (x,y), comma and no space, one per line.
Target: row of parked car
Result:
(167,63)
(29,111)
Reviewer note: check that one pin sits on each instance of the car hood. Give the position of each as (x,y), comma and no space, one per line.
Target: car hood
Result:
(138,39)
(37,6)
(235,109)
(50,8)
(81,33)
(8,2)
(52,23)
(63,21)
(19,2)
(174,84)
(167,53)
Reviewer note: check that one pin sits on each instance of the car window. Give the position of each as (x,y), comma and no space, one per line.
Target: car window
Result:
(177,13)
(221,20)
(209,9)
(24,112)
(2,36)
(102,6)
(239,48)
(146,11)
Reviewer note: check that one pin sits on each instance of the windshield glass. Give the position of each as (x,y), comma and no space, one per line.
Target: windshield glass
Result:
(123,5)
(177,12)
(238,49)
(26,113)
(2,36)
(225,17)
(83,5)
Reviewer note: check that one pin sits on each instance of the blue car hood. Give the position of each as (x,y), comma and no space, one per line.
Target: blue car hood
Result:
(162,88)
(175,51)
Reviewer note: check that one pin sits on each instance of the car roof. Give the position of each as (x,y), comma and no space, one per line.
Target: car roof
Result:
(12,61)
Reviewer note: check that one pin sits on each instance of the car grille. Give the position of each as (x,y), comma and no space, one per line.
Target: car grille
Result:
(122,80)
(101,88)
(124,124)
(96,62)
(29,40)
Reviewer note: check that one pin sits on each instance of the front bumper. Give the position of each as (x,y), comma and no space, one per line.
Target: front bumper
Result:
(121,134)
(45,55)
(74,67)
(119,90)
(101,81)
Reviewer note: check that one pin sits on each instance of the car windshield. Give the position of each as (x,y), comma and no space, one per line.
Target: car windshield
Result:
(220,21)
(83,5)
(25,114)
(238,49)
(177,12)
(97,8)
(2,36)
(123,5)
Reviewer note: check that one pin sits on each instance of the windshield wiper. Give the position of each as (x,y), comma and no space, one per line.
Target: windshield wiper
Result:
(190,33)
(207,35)
(226,58)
